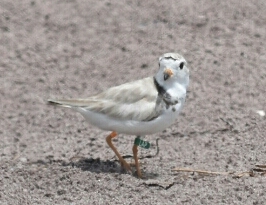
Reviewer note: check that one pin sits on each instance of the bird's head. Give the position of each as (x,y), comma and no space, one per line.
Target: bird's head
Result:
(172,69)
(173,73)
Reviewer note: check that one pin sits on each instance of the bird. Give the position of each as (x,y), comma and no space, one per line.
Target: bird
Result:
(142,107)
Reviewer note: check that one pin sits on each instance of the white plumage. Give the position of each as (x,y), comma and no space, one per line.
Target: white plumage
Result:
(141,107)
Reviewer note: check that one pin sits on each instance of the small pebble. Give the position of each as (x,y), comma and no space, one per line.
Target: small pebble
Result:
(261,113)
(23,159)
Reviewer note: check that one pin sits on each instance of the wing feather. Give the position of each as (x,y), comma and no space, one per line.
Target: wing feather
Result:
(131,101)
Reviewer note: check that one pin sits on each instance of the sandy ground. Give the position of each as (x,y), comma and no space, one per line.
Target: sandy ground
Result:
(75,48)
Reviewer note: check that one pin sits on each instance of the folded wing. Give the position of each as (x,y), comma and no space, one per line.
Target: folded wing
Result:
(131,101)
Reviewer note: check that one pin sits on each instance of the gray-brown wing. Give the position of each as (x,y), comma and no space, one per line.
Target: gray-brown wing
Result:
(131,101)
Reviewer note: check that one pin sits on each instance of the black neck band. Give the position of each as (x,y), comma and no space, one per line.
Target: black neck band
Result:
(159,88)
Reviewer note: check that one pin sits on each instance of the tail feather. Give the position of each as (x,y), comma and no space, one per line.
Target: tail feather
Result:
(63,103)
(69,103)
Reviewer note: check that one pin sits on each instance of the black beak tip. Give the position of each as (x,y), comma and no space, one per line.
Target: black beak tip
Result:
(165,76)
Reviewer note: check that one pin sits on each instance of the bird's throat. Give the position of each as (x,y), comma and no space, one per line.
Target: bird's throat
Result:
(163,93)
(159,88)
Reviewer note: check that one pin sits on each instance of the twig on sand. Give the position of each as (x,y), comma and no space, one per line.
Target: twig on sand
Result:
(262,166)
(199,171)
(206,172)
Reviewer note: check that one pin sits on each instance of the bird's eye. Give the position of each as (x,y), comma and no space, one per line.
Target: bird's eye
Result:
(181,65)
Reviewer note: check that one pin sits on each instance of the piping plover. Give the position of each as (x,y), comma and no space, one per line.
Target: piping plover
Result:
(142,107)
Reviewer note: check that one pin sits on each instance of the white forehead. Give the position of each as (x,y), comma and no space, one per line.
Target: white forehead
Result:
(174,56)
(171,59)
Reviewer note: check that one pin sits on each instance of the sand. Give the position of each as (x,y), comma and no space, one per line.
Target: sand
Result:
(51,155)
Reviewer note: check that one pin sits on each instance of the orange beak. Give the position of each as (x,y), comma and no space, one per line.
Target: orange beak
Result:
(168,73)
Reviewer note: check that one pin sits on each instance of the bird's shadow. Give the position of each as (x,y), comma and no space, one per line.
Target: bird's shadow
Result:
(96,166)
(106,166)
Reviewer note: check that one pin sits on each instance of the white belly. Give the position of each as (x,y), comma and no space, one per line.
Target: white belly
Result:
(133,127)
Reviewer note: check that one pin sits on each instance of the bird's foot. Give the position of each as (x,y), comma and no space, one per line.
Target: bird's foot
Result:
(125,165)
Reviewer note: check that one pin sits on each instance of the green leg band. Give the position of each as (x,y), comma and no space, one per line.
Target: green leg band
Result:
(142,143)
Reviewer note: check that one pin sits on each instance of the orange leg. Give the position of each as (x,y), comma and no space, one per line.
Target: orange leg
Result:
(121,159)
(135,154)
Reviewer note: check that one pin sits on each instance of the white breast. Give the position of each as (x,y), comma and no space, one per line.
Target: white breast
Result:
(133,127)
